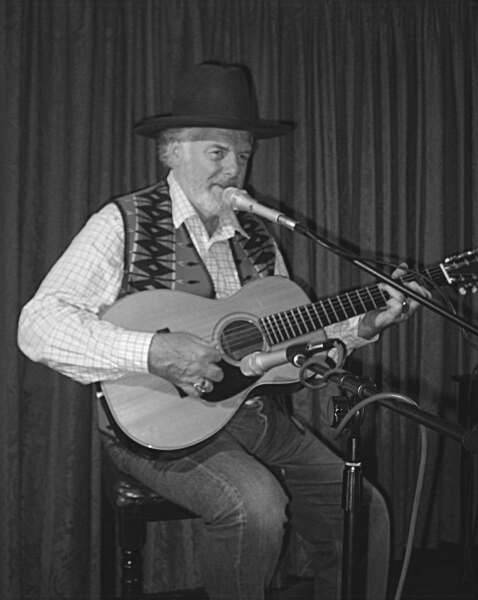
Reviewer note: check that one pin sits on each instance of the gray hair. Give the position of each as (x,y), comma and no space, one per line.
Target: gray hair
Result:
(167,138)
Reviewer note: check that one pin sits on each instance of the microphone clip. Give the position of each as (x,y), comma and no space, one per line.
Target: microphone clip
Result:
(297,354)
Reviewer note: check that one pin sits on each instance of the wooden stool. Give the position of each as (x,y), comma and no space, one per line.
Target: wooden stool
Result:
(127,507)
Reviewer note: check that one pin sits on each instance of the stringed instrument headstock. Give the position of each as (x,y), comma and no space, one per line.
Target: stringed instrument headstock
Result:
(461,271)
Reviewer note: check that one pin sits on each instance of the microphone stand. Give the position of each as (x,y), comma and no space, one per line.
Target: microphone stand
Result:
(240,200)
(352,488)
(358,389)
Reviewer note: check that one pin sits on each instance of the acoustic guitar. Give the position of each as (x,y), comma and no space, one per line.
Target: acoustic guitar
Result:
(156,414)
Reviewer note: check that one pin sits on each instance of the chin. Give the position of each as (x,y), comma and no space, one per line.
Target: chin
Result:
(215,193)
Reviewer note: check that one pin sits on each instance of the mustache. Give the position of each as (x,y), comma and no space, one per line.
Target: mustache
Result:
(231,182)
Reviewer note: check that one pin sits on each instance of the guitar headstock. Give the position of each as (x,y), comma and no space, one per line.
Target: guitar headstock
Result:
(461,271)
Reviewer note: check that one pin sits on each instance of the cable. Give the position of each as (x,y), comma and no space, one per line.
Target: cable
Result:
(420,476)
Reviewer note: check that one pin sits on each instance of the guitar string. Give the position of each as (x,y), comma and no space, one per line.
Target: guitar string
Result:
(281,323)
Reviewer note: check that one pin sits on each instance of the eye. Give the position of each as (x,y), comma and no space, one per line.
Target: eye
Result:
(244,157)
(217,153)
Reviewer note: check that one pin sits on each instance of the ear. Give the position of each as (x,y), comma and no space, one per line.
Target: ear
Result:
(176,153)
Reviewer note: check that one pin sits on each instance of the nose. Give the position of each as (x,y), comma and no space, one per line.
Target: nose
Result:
(231,165)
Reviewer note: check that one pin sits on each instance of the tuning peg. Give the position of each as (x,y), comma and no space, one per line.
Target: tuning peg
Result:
(464,289)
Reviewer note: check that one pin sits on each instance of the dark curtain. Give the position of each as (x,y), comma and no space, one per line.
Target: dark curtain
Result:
(384,160)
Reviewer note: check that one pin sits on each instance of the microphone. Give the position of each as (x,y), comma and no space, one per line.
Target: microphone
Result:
(258,363)
(240,200)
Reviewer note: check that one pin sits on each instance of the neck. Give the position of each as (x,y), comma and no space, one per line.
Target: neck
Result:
(210,221)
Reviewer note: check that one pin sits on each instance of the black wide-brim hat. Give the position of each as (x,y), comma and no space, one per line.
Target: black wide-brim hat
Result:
(214,95)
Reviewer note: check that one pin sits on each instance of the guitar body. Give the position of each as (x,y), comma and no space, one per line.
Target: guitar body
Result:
(153,412)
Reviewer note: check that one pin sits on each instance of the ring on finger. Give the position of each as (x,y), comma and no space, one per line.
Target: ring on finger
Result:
(405,306)
(202,386)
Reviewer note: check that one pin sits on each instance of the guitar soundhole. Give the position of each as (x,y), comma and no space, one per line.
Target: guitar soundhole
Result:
(239,338)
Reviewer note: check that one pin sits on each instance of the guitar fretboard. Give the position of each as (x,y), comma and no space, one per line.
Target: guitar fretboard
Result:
(301,320)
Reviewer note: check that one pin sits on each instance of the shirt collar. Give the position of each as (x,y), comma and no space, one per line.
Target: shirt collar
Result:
(183,210)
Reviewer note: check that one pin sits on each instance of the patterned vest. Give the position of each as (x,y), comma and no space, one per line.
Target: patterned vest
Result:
(158,256)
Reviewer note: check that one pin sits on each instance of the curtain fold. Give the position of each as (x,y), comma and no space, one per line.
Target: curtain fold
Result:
(383,160)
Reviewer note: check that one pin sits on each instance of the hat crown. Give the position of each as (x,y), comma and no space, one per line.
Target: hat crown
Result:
(216,91)
(214,95)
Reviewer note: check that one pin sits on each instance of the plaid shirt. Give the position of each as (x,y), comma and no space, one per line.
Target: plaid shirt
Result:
(61,325)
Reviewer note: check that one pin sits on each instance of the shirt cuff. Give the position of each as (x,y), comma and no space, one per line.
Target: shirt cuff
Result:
(134,353)
(347,333)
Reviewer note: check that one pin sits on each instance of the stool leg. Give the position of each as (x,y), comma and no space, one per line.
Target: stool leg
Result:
(132,535)
(131,574)
(108,549)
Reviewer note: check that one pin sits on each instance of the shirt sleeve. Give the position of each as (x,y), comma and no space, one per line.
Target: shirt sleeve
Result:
(347,333)
(61,325)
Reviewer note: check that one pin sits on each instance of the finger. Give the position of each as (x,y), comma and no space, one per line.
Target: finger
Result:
(400,271)
(190,390)
(211,345)
(198,387)
(395,296)
(203,386)
(214,373)
(399,307)
(409,305)
(207,386)
(416,287)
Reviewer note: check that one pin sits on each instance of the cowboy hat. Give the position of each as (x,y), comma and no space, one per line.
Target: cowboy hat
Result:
(214,95)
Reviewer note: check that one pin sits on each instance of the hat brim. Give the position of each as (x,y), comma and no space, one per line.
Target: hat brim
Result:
(152,126)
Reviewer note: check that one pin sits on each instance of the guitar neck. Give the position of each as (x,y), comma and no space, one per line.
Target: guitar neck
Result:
(302,320)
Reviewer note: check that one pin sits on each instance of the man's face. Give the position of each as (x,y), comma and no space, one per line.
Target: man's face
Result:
(213,160)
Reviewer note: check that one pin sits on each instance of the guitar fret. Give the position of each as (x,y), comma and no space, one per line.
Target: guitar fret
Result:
(273,337)
(296,321)
(380,297)
(361,301)
(318,318)
(339,308)
(384,296)
(300,309)
(374,305)
(290,321)
(277,328)
(342,307)
(331,304)
(311,322)
(265,328)
(366,298)
(347,295)
(283,326)
(360,305)
(326,319)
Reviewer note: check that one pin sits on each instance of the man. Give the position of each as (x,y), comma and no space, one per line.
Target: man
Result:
(229,479)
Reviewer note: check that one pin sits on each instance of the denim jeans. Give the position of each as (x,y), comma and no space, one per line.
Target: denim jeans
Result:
(246,509)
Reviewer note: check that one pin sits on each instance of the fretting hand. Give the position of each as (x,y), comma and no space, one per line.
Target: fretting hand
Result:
(398,308)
